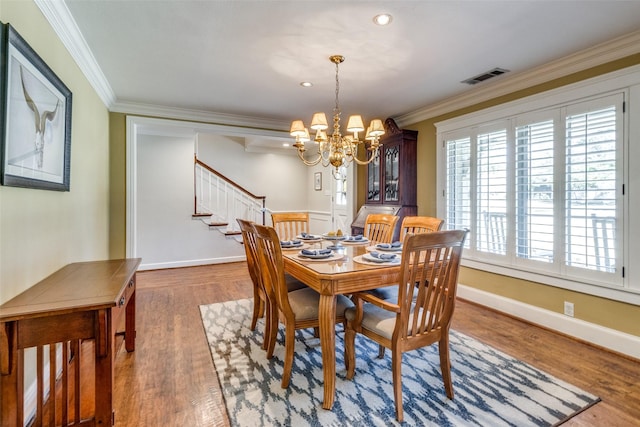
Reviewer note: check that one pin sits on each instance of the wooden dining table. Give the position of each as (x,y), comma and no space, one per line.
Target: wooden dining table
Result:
(331,278)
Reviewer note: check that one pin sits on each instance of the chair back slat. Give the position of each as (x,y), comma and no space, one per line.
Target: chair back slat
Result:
(420,224)
(250,248)
(428,284)
(288,225)
(379,227)
(272,266)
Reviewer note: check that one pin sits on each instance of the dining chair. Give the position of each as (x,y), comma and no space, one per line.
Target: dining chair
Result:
(419,224)
(422,314)
(415,225)
(260,299)
(288,225)
(298,309)
(251,251)
(380,227)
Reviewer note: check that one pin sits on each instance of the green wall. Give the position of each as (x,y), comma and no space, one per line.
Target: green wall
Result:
(41,231)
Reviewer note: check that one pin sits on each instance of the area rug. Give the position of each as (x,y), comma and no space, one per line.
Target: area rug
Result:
(491,388)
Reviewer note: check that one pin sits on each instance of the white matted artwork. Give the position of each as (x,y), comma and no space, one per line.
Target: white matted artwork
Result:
(36,147)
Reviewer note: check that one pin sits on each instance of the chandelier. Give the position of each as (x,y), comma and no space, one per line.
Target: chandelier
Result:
(337,150)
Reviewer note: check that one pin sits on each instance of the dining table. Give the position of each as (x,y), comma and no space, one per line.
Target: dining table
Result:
(344,273)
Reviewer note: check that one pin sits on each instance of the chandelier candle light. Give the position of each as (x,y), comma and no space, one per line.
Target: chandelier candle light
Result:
(337,150)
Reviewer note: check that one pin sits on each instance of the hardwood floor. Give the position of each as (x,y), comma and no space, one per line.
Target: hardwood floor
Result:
(170,379)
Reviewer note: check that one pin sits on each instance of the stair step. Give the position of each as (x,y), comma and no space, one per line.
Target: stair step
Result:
(200,215)
(232,233)
(217,224)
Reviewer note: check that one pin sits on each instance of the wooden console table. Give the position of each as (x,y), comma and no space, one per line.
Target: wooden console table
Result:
(81,301)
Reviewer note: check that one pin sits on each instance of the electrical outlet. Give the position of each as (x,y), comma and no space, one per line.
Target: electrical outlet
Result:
(568,308)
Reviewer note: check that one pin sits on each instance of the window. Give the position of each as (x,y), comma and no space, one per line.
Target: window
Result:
(541,191)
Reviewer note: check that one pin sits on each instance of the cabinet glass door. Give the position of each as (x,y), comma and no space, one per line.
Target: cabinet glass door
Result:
(373,180)
(391,173)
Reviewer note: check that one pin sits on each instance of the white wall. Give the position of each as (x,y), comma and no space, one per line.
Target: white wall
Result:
(166,235)
(281,177)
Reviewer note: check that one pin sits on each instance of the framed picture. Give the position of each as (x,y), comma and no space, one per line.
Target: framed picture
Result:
(35,119)
(317,181)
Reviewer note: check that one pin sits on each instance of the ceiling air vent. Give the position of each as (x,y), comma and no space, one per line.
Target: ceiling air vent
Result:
(485,76)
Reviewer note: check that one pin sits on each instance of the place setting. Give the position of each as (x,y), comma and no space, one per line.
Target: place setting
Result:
(295,244)
(309,238)
(377,258)
(318,255)
(395,247)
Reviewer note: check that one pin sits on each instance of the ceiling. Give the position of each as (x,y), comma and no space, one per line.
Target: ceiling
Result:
(246,58)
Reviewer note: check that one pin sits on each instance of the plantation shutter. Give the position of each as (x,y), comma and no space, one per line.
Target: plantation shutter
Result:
(534,174)
(491,188)
(458,184)
(591,208)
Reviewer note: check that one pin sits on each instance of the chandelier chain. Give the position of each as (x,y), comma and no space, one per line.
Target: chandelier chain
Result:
(337,107)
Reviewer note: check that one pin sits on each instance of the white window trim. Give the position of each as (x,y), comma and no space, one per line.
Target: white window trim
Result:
(627,80)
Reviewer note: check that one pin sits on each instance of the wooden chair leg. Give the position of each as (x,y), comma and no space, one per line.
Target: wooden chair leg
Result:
(273,323)
(267,325)
(257,308)
(396,367)
(350,351)
(381,350)
(289,344)
(445,364)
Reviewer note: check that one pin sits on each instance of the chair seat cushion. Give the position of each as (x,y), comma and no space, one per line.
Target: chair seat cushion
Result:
(293,284)
(388,293)
(305,304)
(377,319)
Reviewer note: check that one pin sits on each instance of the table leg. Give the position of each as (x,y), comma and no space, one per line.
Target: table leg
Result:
(327,320)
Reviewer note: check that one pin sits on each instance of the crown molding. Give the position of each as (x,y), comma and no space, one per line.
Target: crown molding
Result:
(59,17)
(197,116)
(597,55)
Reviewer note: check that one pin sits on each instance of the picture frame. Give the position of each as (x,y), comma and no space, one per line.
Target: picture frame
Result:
(317,181)
(35,119)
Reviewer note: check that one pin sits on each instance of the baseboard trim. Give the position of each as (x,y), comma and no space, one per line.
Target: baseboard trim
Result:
(611,339)
(189,263)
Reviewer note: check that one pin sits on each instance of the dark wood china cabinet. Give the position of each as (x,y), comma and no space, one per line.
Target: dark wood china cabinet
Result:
(391,177)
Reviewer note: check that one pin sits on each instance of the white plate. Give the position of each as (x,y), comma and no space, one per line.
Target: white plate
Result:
(320,256)
(297,245)
(362,241)
(396,249)
(309,238)
(371,258)
(327,237)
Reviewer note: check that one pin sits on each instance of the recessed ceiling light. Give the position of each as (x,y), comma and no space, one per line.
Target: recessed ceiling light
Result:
(306,84)
(284,144)
(382,19)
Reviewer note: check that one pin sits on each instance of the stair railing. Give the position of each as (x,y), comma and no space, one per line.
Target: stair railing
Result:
(224,200)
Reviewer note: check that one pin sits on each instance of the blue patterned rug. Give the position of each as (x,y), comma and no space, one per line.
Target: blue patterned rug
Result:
(491,388)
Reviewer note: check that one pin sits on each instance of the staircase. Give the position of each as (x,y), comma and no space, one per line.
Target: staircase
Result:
(219,201)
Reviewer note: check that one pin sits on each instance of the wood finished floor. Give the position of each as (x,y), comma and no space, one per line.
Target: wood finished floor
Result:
(170,379)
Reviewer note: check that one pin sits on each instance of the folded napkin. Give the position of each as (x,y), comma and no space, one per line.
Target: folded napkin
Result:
(290,242)
(307,235)
(355,238)
(315,252)
(386,257)
(394,245)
